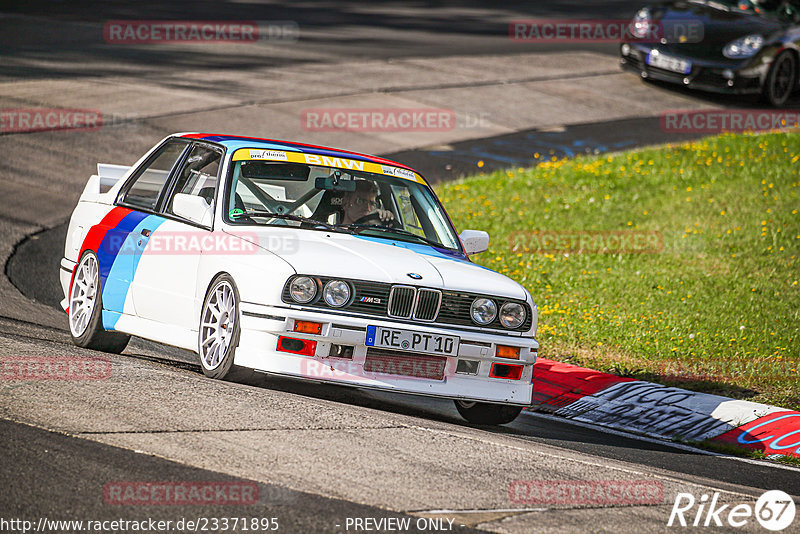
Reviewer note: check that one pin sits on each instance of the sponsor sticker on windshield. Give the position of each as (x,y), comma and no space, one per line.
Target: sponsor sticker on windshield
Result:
(278,155)
(404,173)
(397,171)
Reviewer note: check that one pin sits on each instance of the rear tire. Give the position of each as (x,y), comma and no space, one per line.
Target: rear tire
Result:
(219,331)
(781,79)
(86,309)
(483,413)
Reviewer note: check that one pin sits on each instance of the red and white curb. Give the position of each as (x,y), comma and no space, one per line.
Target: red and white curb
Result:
(660,411)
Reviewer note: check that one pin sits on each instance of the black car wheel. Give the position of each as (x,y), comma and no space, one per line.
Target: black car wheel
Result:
(482,413)
(781,79)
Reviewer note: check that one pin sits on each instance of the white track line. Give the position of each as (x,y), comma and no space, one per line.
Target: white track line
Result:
(489,511)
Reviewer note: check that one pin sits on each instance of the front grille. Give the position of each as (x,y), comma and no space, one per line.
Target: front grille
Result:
(676,77)
(407,301)
(638,61)
(432,305)
(428,301)
(401,301)
(390,362)
(634,61)
(369,297)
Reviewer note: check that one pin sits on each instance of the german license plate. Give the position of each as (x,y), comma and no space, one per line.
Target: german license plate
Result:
(666,62)
(410,341)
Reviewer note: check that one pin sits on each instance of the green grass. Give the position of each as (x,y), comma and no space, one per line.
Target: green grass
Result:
(716,310)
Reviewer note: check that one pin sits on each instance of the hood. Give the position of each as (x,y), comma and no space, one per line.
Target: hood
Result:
(349,256)
(720,26)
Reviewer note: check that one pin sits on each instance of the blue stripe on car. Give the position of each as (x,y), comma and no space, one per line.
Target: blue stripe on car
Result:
(119,255)
(427,250)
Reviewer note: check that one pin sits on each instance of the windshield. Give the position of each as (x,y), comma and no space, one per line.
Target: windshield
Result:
(338,199)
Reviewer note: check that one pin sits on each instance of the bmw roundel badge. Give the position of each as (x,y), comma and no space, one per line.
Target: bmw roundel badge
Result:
(415,276)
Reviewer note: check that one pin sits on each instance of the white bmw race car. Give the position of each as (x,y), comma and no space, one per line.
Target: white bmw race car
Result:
(301,261)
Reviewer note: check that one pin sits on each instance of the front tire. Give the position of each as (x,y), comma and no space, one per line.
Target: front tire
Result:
(781,79)
(483,413)
(86,309)
(220,330)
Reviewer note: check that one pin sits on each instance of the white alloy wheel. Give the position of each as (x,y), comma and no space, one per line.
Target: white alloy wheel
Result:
(219,332)
(86,309)
(218,325)
(83,294)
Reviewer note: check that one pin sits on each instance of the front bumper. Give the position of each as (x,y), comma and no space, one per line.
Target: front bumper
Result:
(263,325)
(733,79)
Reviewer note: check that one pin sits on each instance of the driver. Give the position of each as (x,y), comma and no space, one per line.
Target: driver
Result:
(362,202)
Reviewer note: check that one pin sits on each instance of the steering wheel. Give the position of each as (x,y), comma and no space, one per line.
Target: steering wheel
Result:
(393,223)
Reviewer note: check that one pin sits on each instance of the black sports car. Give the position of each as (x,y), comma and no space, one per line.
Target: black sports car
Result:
(723,46)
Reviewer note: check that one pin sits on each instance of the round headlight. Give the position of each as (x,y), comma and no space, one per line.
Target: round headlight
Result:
(336,293)
(303,289)
(483,311)
(512,314)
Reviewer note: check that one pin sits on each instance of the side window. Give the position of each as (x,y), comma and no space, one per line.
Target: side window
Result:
(199,175)
(410,221)
(145,189)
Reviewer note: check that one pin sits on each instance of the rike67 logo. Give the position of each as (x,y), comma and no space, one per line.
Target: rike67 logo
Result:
(774,510)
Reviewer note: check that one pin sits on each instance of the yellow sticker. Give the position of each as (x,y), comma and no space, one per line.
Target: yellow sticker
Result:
(245,154)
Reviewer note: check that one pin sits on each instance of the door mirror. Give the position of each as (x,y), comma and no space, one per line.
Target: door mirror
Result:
(193,208)
(474,241)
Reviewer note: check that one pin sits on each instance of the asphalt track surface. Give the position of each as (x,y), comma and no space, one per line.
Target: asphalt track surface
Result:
(63,443)
(332,30)
(57,476)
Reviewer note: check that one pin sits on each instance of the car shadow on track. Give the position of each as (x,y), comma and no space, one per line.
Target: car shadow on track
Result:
(436,410)
(527,425)
(724,100)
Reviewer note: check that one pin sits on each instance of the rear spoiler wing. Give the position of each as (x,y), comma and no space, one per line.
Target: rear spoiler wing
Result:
(99,184)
